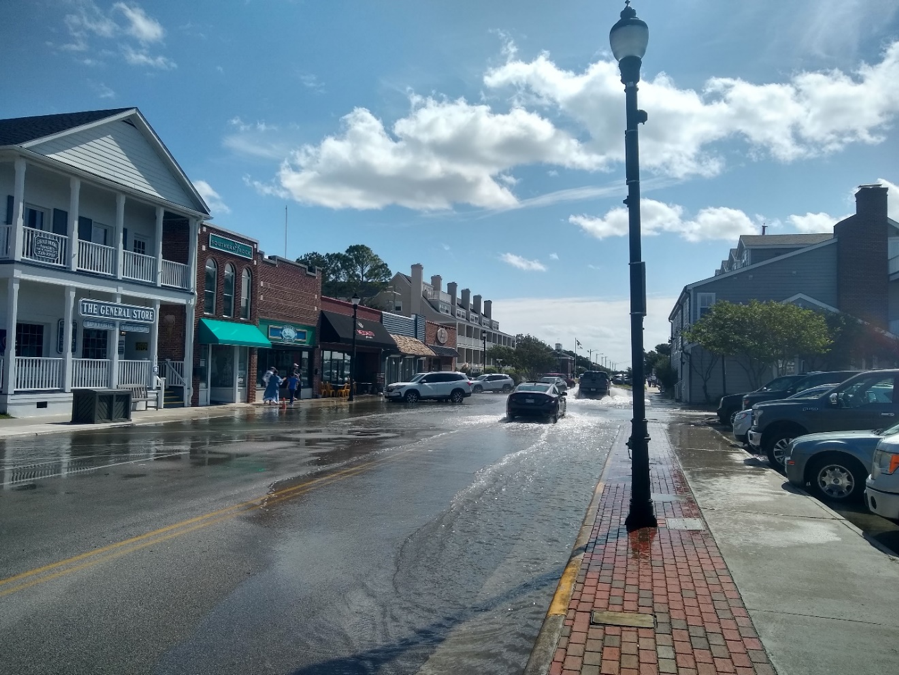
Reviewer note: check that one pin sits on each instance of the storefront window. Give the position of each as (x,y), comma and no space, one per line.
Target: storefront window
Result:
(283,360)
(335,367)
(242,354)
(221,366)
(29,339)
(94,344)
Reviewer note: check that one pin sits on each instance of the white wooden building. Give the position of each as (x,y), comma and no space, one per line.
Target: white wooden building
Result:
(100,229)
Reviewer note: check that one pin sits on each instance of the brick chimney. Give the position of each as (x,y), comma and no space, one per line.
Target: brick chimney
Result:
(466,301)
(437,282)
(476,301)
(452,289)
(862,258)
(488,308)
(417,288)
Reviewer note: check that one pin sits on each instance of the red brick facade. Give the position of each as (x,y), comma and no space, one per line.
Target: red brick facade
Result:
(346,308)
(431,335)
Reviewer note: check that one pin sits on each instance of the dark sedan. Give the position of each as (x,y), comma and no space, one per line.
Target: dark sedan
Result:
(536,399)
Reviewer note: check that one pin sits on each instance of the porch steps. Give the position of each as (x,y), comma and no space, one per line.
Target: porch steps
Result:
(174,397)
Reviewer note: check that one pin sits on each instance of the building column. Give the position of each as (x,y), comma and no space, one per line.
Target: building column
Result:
(119,234)
(154,346)
(114,356)
(17,232)
(68,313)
(236,356)
(192,253)
(74,207)
(189,319)
(9,358)
(160,212)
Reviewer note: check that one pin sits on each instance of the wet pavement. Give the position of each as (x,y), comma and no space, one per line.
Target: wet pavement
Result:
(315,540)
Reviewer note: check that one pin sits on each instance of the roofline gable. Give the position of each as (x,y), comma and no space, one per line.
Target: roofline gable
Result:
(808,298)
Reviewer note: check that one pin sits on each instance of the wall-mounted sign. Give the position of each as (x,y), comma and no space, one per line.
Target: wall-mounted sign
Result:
(442,335)
(111,310)
(279,332)
(135,328)
(99,325)
(220,243)
(45,248)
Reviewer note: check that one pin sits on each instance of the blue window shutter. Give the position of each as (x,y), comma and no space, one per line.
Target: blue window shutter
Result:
(85,225)
(60,222)
(124,239)
(9,203)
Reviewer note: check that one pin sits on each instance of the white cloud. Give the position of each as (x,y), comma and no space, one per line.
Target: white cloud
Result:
(211,197)
(522,263)
(553,256)
(311,82)
(813,222)
(140,26)
(601,324)
(658,217)
(139,57)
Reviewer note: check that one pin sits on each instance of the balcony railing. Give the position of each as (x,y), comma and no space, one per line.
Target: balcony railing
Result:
(134,372)
(36,373)
(44,247)
(96,258)
(139,267)
(175,274)
(90,373)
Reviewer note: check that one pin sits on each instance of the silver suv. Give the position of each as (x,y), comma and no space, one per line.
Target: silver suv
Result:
(502,383)
(443,386)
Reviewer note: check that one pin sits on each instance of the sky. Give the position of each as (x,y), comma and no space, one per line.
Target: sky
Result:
(485,140)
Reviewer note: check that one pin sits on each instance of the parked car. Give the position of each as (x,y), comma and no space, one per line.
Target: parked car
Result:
(882,486)
(502,383)
(742,421)
(558,380)
(593,383)
(834,465)
(731,404)
(536,399)
(864,401)
(806,382)
(445,386)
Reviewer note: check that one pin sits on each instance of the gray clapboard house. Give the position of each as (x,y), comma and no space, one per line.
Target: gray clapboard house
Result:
(854,269)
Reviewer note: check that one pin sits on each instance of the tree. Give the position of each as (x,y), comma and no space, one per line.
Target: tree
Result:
(357,270)
(531,356)
(760,335)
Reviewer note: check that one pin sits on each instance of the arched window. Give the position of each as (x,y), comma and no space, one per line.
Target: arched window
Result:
(211,282)
(228,309)
(246,282)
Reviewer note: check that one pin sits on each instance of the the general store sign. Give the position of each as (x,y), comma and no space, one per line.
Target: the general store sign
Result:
(230,246)
(116,311)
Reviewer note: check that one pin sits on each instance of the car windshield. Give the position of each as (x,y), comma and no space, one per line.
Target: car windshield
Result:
(533,386)
(889,431)
(779,384)
(814,392)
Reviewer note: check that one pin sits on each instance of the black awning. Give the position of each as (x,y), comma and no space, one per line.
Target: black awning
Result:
(337,328)
(445,352)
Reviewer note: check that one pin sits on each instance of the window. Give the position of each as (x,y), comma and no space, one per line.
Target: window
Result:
(94,344)
(867,391)
(705,302)
(36,217)
(29,339)
(228,303)
(397,305)
(140,245)
(246,282)
(100,234)
(209,292)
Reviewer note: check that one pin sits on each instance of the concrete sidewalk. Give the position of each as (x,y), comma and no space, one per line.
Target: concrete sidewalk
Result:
(744,575)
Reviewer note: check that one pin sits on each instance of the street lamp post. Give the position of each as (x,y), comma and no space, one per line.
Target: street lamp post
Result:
(355,301)
(628,38)
(484,338)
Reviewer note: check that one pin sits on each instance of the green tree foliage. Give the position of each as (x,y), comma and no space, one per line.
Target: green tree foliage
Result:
(357,270)
(760,335)
(531,357)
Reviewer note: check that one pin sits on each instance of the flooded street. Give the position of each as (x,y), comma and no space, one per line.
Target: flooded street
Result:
(391,540)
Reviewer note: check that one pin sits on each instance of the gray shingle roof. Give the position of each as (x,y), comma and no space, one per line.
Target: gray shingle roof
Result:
(23,129)
(785,239)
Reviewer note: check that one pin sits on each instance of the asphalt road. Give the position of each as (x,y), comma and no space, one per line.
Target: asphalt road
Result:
(391,539)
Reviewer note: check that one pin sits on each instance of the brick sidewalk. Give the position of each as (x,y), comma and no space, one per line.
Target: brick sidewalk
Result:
(677,575)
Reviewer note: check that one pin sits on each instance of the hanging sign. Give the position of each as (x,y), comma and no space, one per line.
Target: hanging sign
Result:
(99,325)
(45,248)
(220,243)
(111,310)
(134,328)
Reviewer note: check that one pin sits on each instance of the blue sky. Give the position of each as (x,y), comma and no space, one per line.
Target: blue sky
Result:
(484,140)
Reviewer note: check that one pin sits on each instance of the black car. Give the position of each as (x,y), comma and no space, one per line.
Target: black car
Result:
(536,399)
(594,383)
(731,404)
(807,382)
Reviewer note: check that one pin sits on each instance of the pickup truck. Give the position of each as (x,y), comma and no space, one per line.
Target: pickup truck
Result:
(810,380)
(731,404)
(864,401)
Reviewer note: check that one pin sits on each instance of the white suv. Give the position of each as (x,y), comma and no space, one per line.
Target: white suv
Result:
(502,383)
(441,386)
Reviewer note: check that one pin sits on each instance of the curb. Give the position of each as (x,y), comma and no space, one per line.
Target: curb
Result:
(545,646)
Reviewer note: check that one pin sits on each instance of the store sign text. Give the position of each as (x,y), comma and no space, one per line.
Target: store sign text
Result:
(230,246)
(109,310)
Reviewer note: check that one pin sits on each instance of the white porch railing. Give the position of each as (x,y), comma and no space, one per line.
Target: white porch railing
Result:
(35,372)
(174,373)
(134,372)
(96,258)
(175,274)
(44,247)
(139,266)
(5,231)
(90,373)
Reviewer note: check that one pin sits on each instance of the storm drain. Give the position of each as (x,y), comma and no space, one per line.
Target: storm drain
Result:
(628,619)
(684,524)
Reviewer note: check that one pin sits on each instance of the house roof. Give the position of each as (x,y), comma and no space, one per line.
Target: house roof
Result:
(779,240)
(24,129)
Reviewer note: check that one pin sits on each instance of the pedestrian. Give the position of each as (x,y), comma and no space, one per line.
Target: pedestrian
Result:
(293,382)
(268,374)
(271,387)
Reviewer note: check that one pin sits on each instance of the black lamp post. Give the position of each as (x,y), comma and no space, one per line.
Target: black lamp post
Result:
(484,338)
(355,301)
(628,39)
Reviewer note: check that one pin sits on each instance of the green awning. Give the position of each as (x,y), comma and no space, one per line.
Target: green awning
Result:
(231,333)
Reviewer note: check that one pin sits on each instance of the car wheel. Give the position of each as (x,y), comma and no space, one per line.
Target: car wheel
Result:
(837,478)
(776,448)
(477,390)
(457,396)
(506,388)
(411,396)
(732,416)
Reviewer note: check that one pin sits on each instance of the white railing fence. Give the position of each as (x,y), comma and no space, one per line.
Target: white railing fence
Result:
(45,247)
(90,373)
(139,266)
(35,372)
(134,372)
(174,373)
(96,258)
(175,274)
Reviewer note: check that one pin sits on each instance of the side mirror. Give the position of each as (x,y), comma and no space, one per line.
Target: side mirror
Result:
(835,399)
(563,393)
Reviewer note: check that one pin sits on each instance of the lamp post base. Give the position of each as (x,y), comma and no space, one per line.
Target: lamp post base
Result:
(640,515)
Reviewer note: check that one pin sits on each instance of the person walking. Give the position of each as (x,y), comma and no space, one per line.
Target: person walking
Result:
(271,388)
(293,382)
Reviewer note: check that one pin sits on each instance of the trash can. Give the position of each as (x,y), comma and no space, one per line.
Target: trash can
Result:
(93,406)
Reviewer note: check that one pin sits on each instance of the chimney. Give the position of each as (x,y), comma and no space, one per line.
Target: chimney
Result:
(466,301)
(451,288)
(417,288)
(476,301)
(437,282)
(488,308)
(871,202)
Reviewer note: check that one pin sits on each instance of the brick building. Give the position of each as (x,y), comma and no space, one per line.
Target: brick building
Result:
(442,341)
(226,333)
(288,311)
